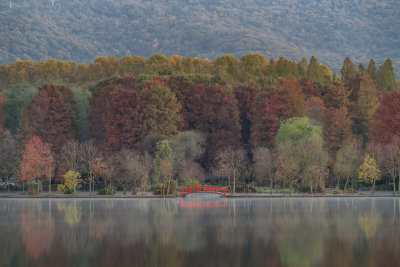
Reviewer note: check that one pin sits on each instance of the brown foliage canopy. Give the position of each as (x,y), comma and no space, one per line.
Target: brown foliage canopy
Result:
(336,130)
(386,119)
(47,117)
(124,120)
(267,110)
(213,111)
(244,95)
(294,98)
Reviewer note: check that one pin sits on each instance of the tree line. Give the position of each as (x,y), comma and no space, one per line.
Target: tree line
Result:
(154,124)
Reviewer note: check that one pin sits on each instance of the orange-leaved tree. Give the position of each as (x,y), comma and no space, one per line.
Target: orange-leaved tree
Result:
(37,162)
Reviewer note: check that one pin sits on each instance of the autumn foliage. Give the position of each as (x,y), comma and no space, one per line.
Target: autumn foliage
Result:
(267,110)
(48,118)
(124,120)
(130,104)
(37,161)
(212,110)
(386,119)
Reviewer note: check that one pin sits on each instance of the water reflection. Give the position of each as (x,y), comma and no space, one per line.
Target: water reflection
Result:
(37,233)
(201,204)
(72,212)
(200,232)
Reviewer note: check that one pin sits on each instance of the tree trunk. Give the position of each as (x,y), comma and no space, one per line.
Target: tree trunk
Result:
(49,186)
(290,189)
(311,188)
(234,181)
(394,184)
(345,185)
(229,184)
(272,184)
(373,189)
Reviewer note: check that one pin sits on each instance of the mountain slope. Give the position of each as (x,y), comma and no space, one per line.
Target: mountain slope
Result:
(82,30)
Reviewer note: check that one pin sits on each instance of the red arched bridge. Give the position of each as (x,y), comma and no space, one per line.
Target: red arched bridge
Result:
(203,189)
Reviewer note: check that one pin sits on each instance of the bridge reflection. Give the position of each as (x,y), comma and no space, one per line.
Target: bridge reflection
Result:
(203,189)
(201,205)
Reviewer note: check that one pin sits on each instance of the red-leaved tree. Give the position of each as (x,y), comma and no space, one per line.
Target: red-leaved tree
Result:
(47,117)
(124,120)
(267,109)
(386,119)
(244,95)
(213,111)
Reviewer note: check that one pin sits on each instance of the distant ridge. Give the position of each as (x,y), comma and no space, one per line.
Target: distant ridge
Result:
(83,30)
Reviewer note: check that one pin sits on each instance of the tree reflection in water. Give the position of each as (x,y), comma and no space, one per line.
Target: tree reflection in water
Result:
(72,212)
(203,232)
(37,232)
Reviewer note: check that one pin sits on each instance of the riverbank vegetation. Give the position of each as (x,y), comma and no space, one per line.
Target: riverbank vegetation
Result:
(160,123)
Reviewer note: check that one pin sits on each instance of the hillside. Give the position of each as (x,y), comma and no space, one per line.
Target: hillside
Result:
(83,30)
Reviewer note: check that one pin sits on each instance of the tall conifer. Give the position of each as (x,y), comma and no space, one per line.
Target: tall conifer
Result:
(372,70)
(386,80)
(348,70)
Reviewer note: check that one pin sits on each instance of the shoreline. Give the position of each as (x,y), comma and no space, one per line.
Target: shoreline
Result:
(171,196)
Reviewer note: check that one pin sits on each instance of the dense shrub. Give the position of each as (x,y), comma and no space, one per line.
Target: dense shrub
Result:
(108,190)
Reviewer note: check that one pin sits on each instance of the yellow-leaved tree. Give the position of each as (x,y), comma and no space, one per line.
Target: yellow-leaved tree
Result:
(369,172)
(72,182)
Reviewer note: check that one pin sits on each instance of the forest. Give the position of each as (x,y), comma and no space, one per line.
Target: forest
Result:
(155,124)
(81,31)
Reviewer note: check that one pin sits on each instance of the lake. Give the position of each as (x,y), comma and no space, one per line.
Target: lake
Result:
(208,231)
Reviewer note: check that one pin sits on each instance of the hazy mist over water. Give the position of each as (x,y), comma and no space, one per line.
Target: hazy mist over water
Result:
(200,232)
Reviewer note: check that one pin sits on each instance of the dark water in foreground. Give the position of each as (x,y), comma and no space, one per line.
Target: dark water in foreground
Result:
(200,232)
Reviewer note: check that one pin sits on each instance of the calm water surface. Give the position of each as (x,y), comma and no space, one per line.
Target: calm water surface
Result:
(200,232)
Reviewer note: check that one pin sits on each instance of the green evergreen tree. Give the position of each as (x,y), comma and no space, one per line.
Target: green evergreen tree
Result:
(372,70)
(363,106)
(362,69)
(252,67)
(386,80)
(304,64)
(314,71)
(162,111)
(282,67)
(271,68)
(348,70)
(301,70)
(163,162)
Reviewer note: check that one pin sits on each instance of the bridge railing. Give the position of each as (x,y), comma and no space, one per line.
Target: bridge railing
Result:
(203,189)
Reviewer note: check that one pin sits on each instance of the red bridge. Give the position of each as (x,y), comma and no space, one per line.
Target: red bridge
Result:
(203,189)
